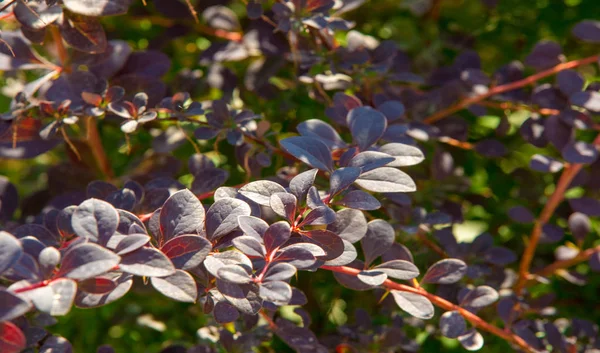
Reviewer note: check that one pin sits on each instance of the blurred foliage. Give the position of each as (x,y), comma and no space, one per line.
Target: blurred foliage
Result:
(499,34)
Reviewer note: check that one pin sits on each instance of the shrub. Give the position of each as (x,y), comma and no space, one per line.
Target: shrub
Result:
(311,149)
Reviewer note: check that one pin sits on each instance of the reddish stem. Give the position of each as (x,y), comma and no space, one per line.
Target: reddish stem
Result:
(555,199)
(444,304)
(509,87)
(557,265)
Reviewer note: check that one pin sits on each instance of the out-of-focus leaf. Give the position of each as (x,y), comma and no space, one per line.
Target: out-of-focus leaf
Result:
(97,8)
(445,271)
(83,33)
(472,340)
(452,324)
(12,339)
(10,251)
(12,306)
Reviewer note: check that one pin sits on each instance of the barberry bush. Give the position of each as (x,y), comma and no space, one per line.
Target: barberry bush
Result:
(299,175)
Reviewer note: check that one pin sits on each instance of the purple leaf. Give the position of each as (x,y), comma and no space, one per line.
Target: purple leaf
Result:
(284,204)
(322,131)
(147,262)
(587,31)
(342,178)
(97,8)
(367,125)
(349,225)
(580,152)
(491,148)
(234,273)
(405,155)
(179,286)
(310,151)
(221,217)
(131,243)
(369,160)
(521,214)
(545,164)
(380,236)
(12,306)
(249,245)
(472,340)
(360,200)
(280,271)
(276,235)
(253,226)
(331,243)
(580,225)
(10,251)
(87,260)
(399,269)
(372,277)
(586,205)
(478,297)
(261,191)
(319,216)
(452,324)
(95,220)
(300,184)
(277,292)
(589,100)
(182,213)
(187,251)
(414,304)
(445,271)
(386,179)
(225,313)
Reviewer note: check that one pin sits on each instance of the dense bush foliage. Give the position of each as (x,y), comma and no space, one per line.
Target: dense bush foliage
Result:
(435,185)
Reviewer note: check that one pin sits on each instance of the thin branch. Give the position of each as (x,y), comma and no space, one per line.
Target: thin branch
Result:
(516,106)
(421,234)
(446,305)
(555,199)
(562,264)
(509,87)
(192,10)
(93,139)
(220,33)
(60,47)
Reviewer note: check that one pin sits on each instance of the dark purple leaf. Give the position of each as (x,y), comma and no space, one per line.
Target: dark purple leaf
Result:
(367,125)
(225,313)
(452,324)
(310,151)
(147,262)
(37,231)
(131,243)
(360,200)
(346,257)
(570,82)
(182,213)
(296,256)
(472,340)
(478,297)
(253,226)
(249,245)
(179,286)
(87,260)
(386,179)
(491,148)
(331,243)
(500,256)
(221,217)
(369,160)
(544,55)
(300,184)
(234,274)
(380,236)
(551,233)
(187,251)
(521,214)
(319,216)
(9,199)
(557,132)
(277,292)
(284,204)
(322,131)
(445,271)
(586,205)
(580,152)
(342,178)
(349,225)
(414,304)
(10,251)
(261,191)
(588,31)
(280,271)
(88,300)
(580,225)
(545,164)
(97,8)
(98,285)
(83,33)
(405,155)
(12,306)
(95,220)
(372,277)
(276,235)
(589,100)
(398,269)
